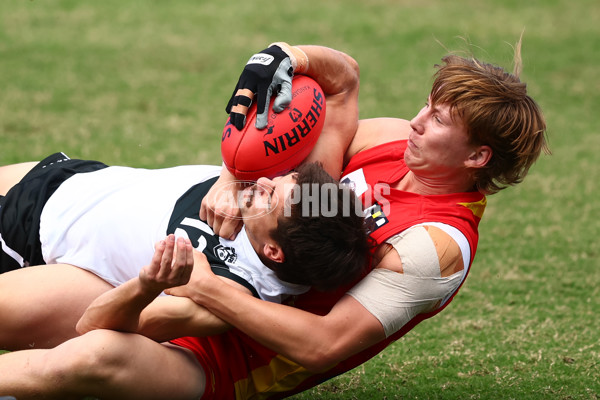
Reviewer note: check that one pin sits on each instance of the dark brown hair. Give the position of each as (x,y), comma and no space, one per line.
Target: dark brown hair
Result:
(324,251)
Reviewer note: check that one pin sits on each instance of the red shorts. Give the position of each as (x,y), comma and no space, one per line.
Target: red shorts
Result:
(217,385)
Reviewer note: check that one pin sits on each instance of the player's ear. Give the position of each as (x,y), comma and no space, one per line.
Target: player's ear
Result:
(479,157)
(273,252)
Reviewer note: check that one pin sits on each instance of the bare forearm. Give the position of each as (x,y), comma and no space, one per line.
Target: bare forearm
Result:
(118,309)
(160,319)
(335,71)
(313,341)
(169,317)
(338,75)
(298,335)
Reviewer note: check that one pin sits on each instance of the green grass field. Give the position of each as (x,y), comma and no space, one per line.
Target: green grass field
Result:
(145,83)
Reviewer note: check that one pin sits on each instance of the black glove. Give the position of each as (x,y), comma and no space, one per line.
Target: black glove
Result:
(265,73)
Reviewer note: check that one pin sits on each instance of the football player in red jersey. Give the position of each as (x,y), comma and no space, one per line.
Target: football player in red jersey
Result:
(424,183)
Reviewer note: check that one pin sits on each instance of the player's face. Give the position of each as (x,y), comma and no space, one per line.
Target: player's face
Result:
(438,144)
(263,203)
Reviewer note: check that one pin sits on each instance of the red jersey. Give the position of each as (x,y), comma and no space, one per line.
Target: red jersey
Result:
(238,367)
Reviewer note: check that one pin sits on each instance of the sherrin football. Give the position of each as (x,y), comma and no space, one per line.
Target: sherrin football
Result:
(286,141)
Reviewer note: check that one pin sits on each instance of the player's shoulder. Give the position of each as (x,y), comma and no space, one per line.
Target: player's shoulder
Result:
(428,247)
(376,131)
(449,252)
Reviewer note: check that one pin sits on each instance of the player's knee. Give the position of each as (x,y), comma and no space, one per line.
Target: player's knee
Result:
(95,358)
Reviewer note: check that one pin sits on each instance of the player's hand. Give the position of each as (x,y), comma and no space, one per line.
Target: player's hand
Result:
(201,278)
(220,207)
(266,73)
(171,265)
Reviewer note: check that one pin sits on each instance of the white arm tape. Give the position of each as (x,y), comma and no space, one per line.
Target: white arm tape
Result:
(395,298)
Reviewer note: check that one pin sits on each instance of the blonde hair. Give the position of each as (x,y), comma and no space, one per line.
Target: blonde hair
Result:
(495,108)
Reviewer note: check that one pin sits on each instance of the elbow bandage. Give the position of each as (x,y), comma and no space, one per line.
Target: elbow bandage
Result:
(395,298)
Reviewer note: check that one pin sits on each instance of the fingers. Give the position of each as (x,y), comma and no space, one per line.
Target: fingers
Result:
(208,214)
(224,225)
(229,228)
(238,107)
(163,254)
(262,107)
(181,258)
(184,262)
(206,211)
(200,271)
(238,120)
(171,264)
(284,97)
(189,251)
(200,266)
(242,101)
(155,263)
(221,211)
(167,256)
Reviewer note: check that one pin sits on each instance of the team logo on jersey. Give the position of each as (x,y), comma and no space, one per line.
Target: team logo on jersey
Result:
(225,254)
(375,218)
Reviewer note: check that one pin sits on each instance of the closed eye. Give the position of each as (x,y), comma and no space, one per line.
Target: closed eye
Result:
(270,197)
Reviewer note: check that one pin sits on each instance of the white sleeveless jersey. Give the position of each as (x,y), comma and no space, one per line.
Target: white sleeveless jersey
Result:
(108,221)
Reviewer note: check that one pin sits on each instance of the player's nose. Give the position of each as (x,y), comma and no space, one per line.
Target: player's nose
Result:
(265,182)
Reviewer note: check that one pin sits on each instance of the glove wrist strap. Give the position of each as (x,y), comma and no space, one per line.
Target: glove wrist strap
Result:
(297,56)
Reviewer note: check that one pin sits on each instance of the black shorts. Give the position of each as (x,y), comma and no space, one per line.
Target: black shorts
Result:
(21,209)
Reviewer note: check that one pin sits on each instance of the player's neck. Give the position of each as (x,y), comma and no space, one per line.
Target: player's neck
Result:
(427,186)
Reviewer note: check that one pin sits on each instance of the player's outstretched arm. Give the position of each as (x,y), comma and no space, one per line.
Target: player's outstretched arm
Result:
(313,341)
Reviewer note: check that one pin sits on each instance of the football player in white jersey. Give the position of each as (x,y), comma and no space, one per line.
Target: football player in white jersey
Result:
(106,220)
